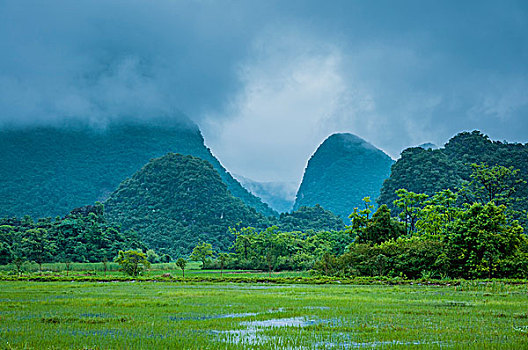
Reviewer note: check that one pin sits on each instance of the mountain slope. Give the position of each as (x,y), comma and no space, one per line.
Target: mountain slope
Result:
(175,202)
(47,171)
(343,170)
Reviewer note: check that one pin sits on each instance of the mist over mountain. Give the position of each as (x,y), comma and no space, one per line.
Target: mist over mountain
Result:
(47,171)
(266,81)
(428,145)
(343,170)
(278,195)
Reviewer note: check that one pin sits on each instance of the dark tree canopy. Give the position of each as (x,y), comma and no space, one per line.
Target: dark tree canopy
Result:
(430,171)
(82,236)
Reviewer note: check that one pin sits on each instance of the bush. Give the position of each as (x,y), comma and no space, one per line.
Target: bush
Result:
(132,262)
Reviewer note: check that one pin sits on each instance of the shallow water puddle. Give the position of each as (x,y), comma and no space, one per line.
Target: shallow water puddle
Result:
(373,344)
(317,307)
(211,317)
(280,322)
(252,334)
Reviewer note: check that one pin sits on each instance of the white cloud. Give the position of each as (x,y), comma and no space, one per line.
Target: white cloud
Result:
(297,90)
(290,97)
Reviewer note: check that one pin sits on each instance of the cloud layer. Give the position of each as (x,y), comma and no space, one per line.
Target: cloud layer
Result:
(268,81)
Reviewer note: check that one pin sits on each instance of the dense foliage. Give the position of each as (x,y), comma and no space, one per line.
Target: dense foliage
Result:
(273,250)
(175,202)
(472,228)
(81,236)
(439,236)
(430,171)
(343,170)
(46,171)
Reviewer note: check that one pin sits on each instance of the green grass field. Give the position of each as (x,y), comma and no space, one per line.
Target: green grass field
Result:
(149,315)
(193,269)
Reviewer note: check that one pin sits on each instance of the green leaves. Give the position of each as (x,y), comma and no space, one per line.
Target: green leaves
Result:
(482,237)
(495,183)
(202,252)
(181,263)
(80,237)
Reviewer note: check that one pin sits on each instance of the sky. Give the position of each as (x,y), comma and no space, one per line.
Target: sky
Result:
(268,81)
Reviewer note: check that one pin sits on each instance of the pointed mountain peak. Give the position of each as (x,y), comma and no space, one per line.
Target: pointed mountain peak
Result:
(343,170)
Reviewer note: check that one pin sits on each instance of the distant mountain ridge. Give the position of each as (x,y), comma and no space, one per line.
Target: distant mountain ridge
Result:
(47,171)
(278,195)
(428,145)
(343,170)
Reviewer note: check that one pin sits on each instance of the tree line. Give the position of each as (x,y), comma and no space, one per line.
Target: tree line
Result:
(473,232)
(82,236)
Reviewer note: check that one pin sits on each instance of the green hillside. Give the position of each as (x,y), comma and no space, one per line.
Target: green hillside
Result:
(343,170)
(47,171)
(429,171)
(175,202)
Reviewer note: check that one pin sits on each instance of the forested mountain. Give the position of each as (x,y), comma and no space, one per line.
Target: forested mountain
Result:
(432,170)
(175,202)
(278,195)
(343,170)
(47,171)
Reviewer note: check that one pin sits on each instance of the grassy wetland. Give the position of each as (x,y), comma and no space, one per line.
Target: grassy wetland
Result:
(134,315)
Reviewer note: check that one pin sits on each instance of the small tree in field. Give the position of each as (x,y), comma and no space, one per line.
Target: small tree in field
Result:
(132,262)
(202,252)
(223,258)
(181,263)
(105,265)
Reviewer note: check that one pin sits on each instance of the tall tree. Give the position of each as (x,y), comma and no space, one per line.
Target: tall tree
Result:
(382,227)
(38,246)
(7,233)
(181,263)
(202,252)
(495,183)
(410,205)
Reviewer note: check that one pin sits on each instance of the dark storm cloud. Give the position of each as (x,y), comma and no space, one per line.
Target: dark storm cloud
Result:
(268,80)
(100,60)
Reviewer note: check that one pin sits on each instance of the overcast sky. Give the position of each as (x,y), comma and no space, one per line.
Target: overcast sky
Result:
(267,81)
